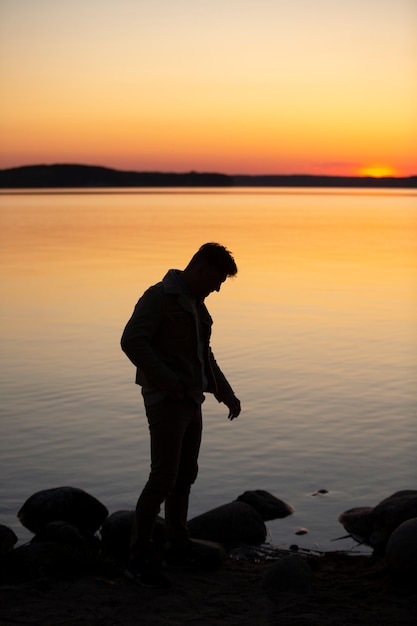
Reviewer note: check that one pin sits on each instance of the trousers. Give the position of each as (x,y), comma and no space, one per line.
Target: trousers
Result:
(175,428)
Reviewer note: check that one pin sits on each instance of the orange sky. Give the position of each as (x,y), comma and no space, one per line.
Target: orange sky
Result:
(238,86)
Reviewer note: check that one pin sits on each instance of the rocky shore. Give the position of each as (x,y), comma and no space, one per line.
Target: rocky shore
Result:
(72,570)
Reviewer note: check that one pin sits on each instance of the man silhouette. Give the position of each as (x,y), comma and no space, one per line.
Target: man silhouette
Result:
(168,340)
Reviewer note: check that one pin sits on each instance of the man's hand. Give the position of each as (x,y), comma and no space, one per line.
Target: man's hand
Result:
(233,404)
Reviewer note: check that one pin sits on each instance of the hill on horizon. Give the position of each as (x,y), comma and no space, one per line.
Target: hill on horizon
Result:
(69,175)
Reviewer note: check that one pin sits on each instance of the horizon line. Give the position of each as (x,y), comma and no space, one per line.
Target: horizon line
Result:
(204,172)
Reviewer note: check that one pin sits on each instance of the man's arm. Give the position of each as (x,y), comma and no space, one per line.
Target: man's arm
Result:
(137,338)
(224,392)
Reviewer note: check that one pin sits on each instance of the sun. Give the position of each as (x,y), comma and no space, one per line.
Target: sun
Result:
(377,171)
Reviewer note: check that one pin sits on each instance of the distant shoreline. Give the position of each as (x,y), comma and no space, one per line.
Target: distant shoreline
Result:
(60,176)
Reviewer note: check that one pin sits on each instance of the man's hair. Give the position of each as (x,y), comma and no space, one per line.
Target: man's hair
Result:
(218,256)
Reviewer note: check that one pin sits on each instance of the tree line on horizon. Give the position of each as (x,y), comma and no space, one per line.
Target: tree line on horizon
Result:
(89,176)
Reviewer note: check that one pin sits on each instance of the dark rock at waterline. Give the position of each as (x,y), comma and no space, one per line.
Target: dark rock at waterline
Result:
(390,513)
(268,506)
(68,535)
(116,533)
(288,575)
(374,525)
(401,551)
(358,522)
(7,539)
(115,537)
(230,524)
(208,554)
(69,504)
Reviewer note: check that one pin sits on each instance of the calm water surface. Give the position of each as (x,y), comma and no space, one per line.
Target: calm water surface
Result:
(317,335)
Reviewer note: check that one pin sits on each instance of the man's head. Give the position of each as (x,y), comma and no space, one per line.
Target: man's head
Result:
(208,269)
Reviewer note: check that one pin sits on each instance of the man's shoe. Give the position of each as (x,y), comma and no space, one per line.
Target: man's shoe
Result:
(146,575)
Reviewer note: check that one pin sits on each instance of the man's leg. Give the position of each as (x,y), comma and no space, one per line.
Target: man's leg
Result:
(175,427)
(176,504)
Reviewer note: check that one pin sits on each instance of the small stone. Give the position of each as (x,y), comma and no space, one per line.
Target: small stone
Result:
(301,531)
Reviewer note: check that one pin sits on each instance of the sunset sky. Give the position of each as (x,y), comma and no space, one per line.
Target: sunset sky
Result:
(234,86)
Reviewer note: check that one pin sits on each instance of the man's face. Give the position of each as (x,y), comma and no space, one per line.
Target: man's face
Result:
(211,279)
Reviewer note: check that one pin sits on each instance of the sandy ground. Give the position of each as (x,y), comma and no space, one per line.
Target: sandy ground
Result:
(351,590)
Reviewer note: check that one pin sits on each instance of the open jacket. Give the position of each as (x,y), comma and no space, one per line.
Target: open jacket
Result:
(161,340)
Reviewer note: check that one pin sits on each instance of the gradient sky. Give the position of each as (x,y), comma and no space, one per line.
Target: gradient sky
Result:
(237,86)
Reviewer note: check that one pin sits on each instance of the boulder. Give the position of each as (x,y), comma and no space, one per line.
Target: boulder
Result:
(268,506)
(229,524)
(290,574)
(389,514)
(358,522)
(116,532)
(374,525)
(68,504)
(208,554)
(401,550)
(70,536)
(7,539)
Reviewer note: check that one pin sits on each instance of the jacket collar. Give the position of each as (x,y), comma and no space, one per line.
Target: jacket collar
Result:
(173,284)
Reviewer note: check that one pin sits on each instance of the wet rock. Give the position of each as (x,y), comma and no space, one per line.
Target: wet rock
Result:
(374,525)
(7,539)
(69,504)
(208,554)
(268,506)
(230,524)
(389,514)
(290,574)
(68,535)
(358,522)
(116,532)
(401,550)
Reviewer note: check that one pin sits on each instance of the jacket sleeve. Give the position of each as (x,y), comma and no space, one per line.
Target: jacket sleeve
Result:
(222,390)
(136,341)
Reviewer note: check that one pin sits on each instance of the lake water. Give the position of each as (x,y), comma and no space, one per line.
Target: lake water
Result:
(317,335)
